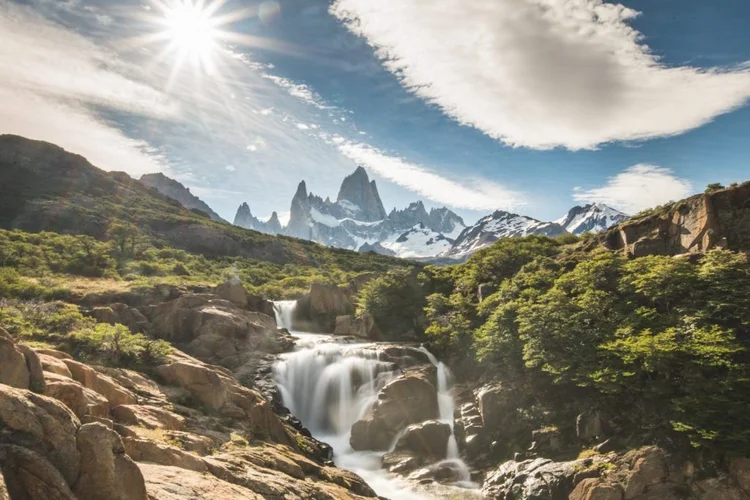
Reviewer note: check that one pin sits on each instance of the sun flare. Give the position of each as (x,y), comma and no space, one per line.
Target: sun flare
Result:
(191,28)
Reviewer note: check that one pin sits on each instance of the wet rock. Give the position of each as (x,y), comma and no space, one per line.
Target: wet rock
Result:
(401,462)
(428,438)
(532,479)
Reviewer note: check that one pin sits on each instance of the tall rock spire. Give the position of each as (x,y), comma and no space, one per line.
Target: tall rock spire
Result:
(358,190)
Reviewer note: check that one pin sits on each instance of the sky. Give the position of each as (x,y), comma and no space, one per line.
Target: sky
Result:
(530,106)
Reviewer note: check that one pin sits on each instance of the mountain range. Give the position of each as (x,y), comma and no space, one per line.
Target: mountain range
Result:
(357,220)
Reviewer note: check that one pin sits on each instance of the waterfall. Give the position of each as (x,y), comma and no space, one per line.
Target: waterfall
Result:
(284,312)
(329,384)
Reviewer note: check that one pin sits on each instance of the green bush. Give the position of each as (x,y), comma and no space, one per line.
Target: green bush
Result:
(117,345)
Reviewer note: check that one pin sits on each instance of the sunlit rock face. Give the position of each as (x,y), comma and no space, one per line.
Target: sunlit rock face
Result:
(175,190)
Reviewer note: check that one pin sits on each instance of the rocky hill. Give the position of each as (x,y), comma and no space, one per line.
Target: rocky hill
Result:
(175,190)
(717,219)
(245,218)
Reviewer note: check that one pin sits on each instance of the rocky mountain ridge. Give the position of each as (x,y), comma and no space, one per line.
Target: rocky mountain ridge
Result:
(173,189)
(591,218)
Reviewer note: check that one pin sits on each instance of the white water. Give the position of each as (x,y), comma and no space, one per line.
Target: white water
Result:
(329,385)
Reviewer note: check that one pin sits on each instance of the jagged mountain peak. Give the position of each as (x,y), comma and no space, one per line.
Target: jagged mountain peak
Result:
(358,190)
(593,217)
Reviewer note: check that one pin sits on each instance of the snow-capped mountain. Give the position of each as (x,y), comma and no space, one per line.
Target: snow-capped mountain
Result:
(591,218)
(498,225)
(357,220)
(245,218)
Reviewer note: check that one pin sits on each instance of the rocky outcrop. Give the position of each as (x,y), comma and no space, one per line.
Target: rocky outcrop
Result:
(245,218)
(359,190)
(13,369)
(711,220)
(360,326)
(217,330)
(123,314)
(317,311)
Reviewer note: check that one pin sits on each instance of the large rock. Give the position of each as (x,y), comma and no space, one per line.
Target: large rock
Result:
(592,425)
(13,369)
(31,476)
(406,400)
(42,425)
(34,365)
(427,438)
(648,466)
(532,480)
(54,365)
(740,471)
(233,291)
(122,314)
(172,483)
(317,311)
(83,402)
(217,331)
(596,489)
(106,472)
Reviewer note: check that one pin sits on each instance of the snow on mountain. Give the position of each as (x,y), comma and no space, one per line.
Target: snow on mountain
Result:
(591,218)
(418,242)
(498,225)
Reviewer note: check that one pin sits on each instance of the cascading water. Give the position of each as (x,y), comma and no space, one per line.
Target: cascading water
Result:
(329,385)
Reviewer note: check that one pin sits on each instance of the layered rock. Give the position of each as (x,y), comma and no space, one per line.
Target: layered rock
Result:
(711,220)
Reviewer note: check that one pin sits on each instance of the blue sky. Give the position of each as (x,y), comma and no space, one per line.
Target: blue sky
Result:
(525,105)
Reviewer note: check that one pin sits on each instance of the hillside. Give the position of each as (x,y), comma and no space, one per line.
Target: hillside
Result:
(173,189)
(44,188)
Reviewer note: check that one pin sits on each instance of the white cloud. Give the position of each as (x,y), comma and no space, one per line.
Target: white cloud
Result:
(231,168)
(637,188)
(542,73)
(473,195)
(48,78)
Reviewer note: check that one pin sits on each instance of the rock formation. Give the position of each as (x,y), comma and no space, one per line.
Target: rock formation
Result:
(245,218)
(358,190)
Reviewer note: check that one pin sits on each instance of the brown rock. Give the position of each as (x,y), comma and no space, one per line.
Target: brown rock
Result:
(201,445)
(83,374)
(31,476)
(54,354)
(233,291)
(173,483)
(122,314)
(202,382)
(43,425)
(648,466)
(428,438)
(80,400)
(596,489)
(144,450)
(13,369)
(134,382)
(34,366)
(113,392)
(54,365)
(150,417)
(344,325)
(739,468)
(406,400)
(106,472)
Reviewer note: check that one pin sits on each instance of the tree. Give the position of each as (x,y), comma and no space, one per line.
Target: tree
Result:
(714,186)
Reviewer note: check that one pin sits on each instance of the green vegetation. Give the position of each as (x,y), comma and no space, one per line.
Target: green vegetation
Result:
(714,186)
(62,326)
(659,341)
(48,265)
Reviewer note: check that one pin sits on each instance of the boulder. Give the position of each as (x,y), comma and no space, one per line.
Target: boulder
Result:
(648,466)
(113,392)
(150,417)
(406,400)
(31,476)
(428,438)
(80,400)
(370,434)
(54,365)
(596,489)
(122,314)
(317,311)
(13,369)
(83,374)
(106,472)
(143,450)
(401,463)
(547,440)
(54,353)
(42,425)
(494,403)
(233,291)
(202,382)
(739,468)
(34,366)
(173,483)
(134,382)
(469,430)
(259,304)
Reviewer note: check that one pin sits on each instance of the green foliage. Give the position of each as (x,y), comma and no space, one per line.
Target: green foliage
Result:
(395,300)
(117,345)
(714,186)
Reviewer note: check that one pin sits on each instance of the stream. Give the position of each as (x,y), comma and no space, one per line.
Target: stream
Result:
(330,383)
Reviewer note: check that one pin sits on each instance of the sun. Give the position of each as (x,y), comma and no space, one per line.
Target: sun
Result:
(192,32)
